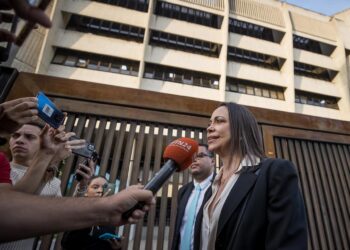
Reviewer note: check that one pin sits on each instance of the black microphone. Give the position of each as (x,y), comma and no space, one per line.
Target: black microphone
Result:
(161,176)
(179,157)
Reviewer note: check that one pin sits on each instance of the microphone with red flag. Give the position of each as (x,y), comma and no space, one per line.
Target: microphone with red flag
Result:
(179,156)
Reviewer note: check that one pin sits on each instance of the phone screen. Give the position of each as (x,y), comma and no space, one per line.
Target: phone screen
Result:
(87,151)
(109,236)
(109,189)
(48,111)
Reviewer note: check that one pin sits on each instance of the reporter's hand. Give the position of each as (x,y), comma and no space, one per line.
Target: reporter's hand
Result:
(51,140)
(86,171)
(61,144)
(74,144)
(115,244)
(27,12)
(126,199)
(15,113)
(24,10)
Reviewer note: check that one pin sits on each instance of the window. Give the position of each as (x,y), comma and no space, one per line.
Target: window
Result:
(188,14)
(257,91)
(254,88)
(255,58)
(254,30)
(179,76)
(280,95)
(105,25)
(314,46)
(149,73)
(82,63)
(70,61)
(105,28)
(233,88)
(157,73)
(177,42)
(273,94)
(105,66)
(73,58)
(93,64)
(242,88)
(140,5)
(59,59)
(184,76)
(312,71)
(115,68)
(266,93)
(187,78)
(94,24)
(309,98)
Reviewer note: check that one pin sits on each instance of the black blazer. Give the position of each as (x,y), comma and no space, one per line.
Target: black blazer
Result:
(264,210)
(182,198)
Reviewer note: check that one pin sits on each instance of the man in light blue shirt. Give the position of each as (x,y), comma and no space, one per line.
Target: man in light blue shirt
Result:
(191,198)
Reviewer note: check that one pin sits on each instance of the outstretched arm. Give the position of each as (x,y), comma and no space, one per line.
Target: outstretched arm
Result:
(24,215)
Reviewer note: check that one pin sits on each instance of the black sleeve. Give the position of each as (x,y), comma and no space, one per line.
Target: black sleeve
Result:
(75,239)
(180,194)
(287,226)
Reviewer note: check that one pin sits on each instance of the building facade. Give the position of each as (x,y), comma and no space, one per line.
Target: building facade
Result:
(265,53)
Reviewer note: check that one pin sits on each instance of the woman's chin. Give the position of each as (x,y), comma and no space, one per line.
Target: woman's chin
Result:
(212,148)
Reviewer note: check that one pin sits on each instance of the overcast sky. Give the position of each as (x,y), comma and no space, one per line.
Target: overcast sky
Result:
(327,7)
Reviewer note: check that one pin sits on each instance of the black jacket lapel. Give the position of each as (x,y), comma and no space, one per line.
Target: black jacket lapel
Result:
(239,191)
(198,224)
(199,217)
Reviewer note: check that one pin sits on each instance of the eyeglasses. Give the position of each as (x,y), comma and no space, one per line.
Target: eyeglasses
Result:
(202,155)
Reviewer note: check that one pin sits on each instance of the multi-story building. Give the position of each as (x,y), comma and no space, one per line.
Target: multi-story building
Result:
(263,53)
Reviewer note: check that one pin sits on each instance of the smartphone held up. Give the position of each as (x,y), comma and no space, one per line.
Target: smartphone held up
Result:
(48,111)
(109,189)
(88,152)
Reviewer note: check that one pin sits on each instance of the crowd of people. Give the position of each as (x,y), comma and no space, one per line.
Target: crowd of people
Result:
(25,213)
(253,202)
(90,238)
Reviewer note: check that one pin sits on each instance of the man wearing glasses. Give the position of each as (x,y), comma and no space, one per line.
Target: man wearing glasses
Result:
(191,198)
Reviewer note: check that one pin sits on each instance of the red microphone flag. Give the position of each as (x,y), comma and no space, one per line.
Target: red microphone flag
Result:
(181,151)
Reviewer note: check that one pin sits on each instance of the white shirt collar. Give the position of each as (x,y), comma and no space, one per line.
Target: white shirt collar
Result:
(20,167)
(203,184)
(245,162)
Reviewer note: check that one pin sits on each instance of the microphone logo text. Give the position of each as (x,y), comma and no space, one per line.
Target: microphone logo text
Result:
(182,144)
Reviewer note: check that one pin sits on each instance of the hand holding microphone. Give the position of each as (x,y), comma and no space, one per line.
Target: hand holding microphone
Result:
(179,156)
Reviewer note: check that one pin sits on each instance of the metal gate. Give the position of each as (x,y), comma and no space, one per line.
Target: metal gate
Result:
(323,164)
(131,152)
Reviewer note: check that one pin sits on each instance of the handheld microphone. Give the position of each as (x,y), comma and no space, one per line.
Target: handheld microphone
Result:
(179,156)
